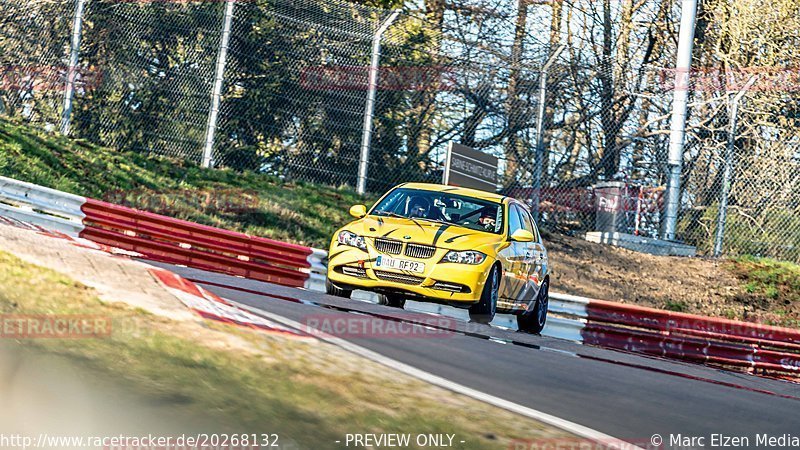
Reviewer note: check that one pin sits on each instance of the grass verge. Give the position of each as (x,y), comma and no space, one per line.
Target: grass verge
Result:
(310,392)
(773,285)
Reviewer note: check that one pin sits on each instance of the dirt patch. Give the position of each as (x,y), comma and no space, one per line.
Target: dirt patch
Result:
(692,285)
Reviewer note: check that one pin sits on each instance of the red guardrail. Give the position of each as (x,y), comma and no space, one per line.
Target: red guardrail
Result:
(687,348)
(178,241)
(691,337)
(693,325)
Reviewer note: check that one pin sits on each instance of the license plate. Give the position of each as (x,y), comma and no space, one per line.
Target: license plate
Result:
(399,264)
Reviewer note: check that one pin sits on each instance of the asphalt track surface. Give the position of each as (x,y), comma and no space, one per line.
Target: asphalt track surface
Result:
(627,396)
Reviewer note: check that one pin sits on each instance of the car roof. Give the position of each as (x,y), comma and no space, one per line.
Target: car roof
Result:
(467,192)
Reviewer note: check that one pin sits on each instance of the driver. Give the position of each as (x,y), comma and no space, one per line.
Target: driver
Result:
(418,207)
(488,219)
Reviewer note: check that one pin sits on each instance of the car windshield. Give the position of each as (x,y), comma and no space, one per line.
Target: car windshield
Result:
(442,207)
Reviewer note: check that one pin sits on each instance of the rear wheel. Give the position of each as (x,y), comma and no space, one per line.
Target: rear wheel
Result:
(393,300)
(534,321)
(485,309)
(332,289)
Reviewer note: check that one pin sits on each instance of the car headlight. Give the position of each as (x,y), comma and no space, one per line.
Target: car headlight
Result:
(465,257)
(353,240)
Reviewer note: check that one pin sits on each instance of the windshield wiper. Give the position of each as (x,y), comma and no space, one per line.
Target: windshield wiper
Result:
(399,216)
(443,222)
(389,214)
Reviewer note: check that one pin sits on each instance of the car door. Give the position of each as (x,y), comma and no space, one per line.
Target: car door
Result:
(536,256)
(528,258)
(511,261)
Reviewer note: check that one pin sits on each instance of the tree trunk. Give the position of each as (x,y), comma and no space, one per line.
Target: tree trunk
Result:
(423,102)
(615,65)
(555,41)
(515,111)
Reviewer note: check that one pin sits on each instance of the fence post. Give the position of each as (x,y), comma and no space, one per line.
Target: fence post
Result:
(539,156)
(677,133)
(72,70)
(733,116)
(219,78)
(369,112)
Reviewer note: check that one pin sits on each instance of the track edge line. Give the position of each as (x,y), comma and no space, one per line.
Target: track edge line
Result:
(549,419)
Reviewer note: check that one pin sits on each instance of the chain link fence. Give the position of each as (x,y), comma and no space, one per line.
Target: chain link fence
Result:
(296,88)
(34,59)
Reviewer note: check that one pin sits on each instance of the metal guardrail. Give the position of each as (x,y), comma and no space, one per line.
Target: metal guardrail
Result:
(38,205)
(567,316)
(318,272)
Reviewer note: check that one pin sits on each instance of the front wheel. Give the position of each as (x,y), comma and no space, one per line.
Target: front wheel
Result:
(332,289)
(485,309)
(534,321)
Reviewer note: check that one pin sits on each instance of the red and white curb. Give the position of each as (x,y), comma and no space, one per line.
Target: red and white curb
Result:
(210,306)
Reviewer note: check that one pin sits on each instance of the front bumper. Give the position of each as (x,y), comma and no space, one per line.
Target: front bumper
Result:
(351,268)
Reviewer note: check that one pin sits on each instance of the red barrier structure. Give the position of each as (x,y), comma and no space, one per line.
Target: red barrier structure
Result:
(708,340)
(176,241)
(692,325)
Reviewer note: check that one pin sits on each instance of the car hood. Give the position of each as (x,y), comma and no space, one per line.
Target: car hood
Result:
(423,232)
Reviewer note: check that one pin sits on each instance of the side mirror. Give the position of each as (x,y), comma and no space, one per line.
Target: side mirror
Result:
(358,211)
(522,236)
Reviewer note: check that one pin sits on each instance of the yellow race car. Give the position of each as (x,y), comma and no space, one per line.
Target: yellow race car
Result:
(445,244)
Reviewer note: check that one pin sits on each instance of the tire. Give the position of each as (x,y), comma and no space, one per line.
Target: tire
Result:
(534,321)
(485,309)
(332,289)
(394,301)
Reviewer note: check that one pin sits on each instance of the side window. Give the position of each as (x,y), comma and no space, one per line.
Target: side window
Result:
(514,219)
(531,226)
(526,220)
